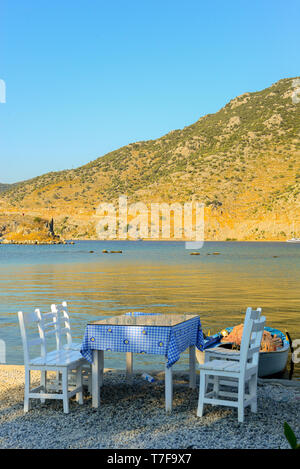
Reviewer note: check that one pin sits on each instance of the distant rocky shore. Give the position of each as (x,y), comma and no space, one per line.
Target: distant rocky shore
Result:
(29,230)
(31,242)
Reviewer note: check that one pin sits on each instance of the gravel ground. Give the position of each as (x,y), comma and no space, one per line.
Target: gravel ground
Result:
(132,416)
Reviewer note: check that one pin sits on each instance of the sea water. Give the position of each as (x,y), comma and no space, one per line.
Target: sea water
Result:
(160,277)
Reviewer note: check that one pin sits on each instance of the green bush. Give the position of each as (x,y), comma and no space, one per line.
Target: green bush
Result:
(290,436)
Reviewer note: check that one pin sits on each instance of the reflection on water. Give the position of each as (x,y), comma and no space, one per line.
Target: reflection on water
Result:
(150,277)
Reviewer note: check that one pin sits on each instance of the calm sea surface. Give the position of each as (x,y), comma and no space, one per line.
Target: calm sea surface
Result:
(151,277)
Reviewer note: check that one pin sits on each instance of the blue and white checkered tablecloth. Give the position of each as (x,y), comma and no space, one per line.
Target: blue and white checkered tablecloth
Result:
(169,341)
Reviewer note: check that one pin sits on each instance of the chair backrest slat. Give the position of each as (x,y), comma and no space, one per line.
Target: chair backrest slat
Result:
(255,314)
(51,332)
(33,342)
(251,341)
(48,315)
(252,351)
(256,327)
(29,318)
(63,324)
(25,321)
(251,315)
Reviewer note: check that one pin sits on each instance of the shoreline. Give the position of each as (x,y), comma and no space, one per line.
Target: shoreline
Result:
(74,241)
(132,408)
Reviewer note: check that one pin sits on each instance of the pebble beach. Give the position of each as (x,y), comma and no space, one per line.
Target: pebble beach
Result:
(132,416)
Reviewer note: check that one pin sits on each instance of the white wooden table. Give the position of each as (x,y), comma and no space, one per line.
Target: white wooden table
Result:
(184,333)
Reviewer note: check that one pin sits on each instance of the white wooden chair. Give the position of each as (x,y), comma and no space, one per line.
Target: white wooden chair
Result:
(242,371)
(59,361)
(64,338)
(225,354)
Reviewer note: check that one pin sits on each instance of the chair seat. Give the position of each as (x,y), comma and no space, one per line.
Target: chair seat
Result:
(223,351)
(224,365)
(58,358)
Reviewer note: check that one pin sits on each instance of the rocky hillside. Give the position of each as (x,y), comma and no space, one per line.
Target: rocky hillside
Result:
(243,162)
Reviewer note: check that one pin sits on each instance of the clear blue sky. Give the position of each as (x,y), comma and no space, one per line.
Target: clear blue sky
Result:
(85,77)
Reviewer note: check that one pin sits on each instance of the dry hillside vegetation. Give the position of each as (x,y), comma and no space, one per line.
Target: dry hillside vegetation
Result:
(243,162)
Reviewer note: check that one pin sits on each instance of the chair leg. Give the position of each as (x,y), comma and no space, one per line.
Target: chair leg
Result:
(207,382)
(27,390)
(253,392)
(79,383)
(58,379)
(43,382)
(65,390)
(129,363)
(216,387)
(90,382)
(202,388)
(241,397)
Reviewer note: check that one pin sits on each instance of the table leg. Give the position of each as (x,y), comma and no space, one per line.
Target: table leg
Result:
(96,365)
(168,388)
(129,363)
(192,362)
